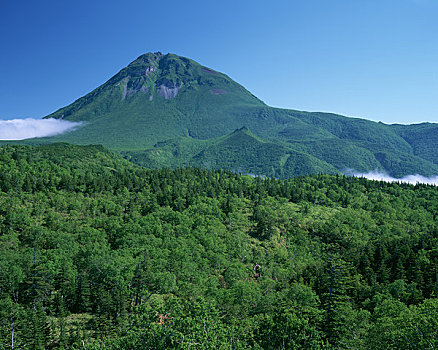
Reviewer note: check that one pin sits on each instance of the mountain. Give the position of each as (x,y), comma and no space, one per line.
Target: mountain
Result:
(167,110)
(159,97)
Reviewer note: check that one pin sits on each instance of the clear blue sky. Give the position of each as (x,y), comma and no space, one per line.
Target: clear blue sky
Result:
(376,59)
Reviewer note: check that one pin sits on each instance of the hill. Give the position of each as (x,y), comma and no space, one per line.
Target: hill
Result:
(96,252)
(167,110)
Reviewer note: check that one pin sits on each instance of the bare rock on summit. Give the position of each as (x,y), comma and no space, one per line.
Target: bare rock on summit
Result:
(168,92)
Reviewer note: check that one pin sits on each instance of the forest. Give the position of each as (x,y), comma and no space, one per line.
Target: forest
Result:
(99,253)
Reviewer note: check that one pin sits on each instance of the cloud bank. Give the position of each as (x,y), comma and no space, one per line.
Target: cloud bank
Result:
(410,179)
(21,129)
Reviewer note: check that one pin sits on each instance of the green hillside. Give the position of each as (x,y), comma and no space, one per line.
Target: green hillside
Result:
(244,152)
(99,253)
(167,110)
(154,99)
(422,137)
(240,151)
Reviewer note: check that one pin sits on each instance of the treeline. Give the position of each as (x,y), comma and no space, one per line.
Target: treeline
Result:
(96,252)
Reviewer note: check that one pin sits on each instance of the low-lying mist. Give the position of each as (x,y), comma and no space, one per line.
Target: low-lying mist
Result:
(21,129)
(411,179)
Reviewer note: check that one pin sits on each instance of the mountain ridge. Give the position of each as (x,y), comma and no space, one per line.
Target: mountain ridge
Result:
(168,110)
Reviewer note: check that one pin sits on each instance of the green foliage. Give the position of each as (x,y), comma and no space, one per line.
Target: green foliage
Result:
(399,327)
(96,252)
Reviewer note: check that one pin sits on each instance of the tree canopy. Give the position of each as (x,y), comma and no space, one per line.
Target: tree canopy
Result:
(96,252)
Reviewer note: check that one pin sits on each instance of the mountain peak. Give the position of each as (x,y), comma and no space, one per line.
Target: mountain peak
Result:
(150,55)
(148,58)
(244,133)
(243,130)
(200,104)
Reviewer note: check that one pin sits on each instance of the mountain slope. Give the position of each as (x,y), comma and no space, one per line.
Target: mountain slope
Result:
(240,151)
(423,139)
(167,110)
(155,98)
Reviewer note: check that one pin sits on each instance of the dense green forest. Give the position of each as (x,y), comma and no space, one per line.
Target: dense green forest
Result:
(98,253)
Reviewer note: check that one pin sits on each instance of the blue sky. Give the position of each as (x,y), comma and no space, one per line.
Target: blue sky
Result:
(375,59)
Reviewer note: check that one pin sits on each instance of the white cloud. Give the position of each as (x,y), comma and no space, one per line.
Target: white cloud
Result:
(21,129)
(411,179)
